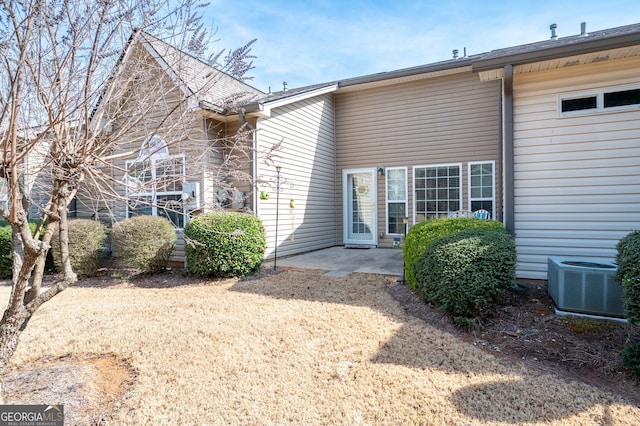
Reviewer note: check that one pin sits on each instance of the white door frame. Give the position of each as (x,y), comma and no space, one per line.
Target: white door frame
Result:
(345,208)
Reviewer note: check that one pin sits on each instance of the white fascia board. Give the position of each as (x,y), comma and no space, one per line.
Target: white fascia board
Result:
(496,74)
(268,106)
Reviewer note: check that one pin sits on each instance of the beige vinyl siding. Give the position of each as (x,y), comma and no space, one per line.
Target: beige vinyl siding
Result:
(444,120)
(577,178)
(183,131)
(37,178)
(307,158)
(240,151)
(227,168)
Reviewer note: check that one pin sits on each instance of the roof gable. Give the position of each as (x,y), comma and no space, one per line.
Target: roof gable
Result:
(206,85)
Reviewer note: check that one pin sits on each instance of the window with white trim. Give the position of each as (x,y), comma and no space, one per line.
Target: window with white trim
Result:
(482,186)
(396,189)
(437,190)
(595,101)
(155,184)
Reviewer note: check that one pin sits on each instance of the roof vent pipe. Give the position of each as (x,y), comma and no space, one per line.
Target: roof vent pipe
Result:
(583,30)
(284,86)
(455,53)
(464,52)
(553,28)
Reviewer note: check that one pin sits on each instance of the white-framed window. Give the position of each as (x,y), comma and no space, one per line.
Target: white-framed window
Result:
(396,196)
(599,101)
(437,190)
(155,187)
(482,186)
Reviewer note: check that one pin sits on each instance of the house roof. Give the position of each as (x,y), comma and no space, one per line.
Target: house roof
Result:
(212,88)
(283,94)
(594,41)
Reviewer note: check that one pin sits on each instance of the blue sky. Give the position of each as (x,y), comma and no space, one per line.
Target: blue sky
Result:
(314,41)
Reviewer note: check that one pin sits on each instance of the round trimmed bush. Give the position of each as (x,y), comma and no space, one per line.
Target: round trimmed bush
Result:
(462,273)
(86,246)
(423,233)
(143,242)
(224,244)
(628,274)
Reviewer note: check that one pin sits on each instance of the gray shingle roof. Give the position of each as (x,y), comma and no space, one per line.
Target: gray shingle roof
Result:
(276,96)
(208,84)
(198,76)
(565,46)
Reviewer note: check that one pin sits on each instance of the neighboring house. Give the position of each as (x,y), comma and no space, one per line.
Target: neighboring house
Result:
(168,137)
(544,136)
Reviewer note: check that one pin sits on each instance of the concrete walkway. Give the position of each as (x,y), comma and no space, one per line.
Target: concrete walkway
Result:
(340,261)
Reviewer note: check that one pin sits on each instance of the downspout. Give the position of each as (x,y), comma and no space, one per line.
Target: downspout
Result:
(507,151)
(253,205)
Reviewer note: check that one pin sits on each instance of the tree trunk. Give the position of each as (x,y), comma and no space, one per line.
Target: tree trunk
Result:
(38,273)
(10,329)
(63,233)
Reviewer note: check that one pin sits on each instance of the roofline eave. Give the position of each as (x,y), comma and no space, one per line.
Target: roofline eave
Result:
(556,52)
(405,72)
(211,111)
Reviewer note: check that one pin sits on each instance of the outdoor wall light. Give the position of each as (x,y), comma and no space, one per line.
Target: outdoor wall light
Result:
(380,171)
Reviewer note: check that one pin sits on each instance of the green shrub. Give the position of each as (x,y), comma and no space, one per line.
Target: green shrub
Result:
(143,242)
(628,274)
(224,244)
(6,252)
(422,234)
(462,273)
(6,258)
(631,358)
(86,246)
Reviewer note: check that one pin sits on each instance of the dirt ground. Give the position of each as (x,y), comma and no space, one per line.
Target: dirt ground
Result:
(525,330)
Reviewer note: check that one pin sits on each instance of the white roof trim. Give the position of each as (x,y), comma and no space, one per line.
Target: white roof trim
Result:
(267,106)
(586,58)
(496,74)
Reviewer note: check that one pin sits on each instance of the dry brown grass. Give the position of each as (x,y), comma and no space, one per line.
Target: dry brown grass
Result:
(299,348)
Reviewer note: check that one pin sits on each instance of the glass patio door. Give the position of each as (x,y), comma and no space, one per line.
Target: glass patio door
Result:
(359,205)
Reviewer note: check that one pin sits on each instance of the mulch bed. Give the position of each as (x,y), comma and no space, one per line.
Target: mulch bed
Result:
(527,329)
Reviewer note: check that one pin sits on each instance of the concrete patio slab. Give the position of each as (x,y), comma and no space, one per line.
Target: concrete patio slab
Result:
(340,261)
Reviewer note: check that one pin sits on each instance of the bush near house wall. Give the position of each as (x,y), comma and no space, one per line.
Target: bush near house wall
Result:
(223,244)
(631,358)
(86,246)
(6,252)
(422,234)
(462,273)
(143,242)
(628,274)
